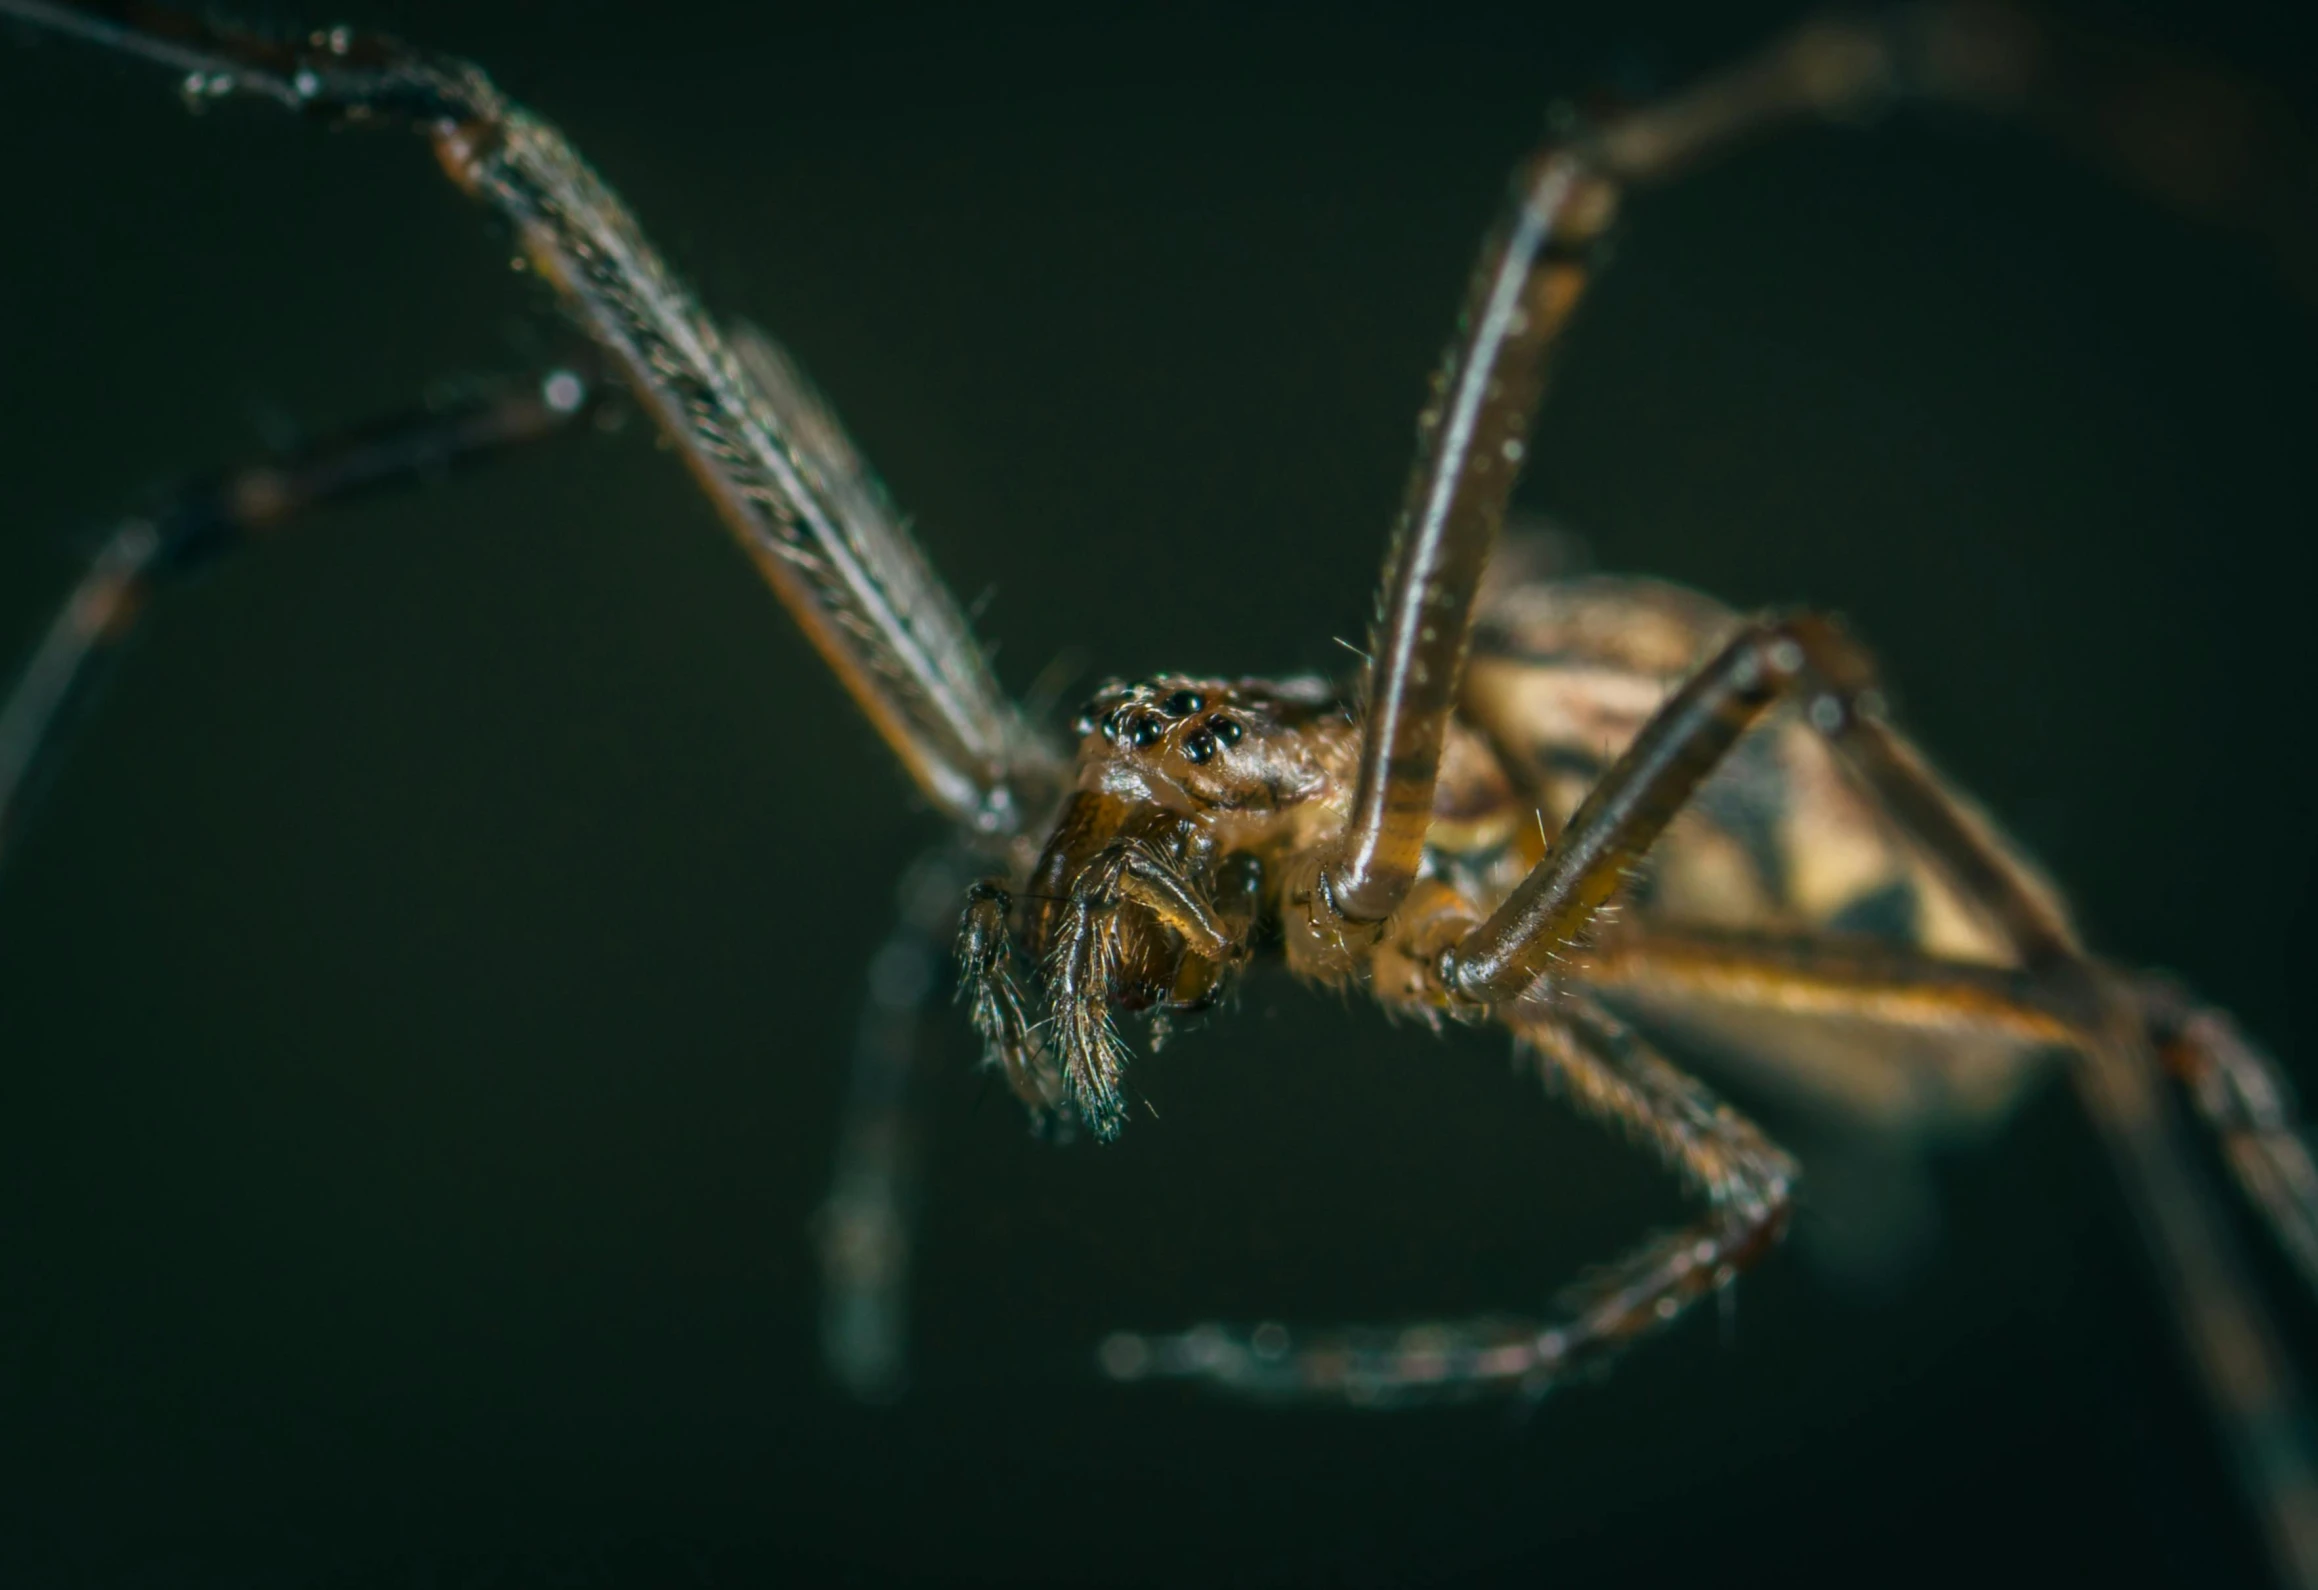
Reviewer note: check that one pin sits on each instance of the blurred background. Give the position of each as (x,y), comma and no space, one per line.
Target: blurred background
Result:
(425,993)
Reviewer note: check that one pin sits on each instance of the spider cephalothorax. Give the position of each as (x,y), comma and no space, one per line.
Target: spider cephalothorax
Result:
(1152,886)
(1195,832)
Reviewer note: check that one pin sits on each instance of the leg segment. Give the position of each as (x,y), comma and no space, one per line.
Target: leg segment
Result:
(759,440)
(2116,1040)
(1552,909)
(1544,921)
(2250,1107)
(2246,1373)
(865,1228)
(1862,979)
(2247,1377)
(1608,1072)
(2238,1090)
(1749,1183)
(195,526)
(1472,436)
(2111,100)
(1471,439)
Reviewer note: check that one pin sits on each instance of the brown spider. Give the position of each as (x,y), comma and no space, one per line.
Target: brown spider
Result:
(1463,835)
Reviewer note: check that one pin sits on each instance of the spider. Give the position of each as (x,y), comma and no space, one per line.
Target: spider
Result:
(1455,835)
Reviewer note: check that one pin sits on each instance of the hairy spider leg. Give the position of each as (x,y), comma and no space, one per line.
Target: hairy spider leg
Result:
(1552,909)
(2113,102)
(191,528)
(1596,1060)
(1605,1068)
(1861,979)
(2230,1337)
(1531,959)
(1490,381)
(1609,1072)
(2244,1369)
(1471,438)
(769,455)
(2240,1091)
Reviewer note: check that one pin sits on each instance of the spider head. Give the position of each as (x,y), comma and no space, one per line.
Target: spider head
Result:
(1149,890)
(1208,745)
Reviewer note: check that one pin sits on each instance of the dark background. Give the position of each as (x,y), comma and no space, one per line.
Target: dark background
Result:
(425,995)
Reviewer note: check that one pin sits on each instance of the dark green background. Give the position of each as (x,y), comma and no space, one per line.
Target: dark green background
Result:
(425,996)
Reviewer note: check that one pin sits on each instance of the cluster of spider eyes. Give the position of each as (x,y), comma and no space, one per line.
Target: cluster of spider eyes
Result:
(1143,726)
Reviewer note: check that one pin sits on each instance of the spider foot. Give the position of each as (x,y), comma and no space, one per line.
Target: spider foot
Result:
(1362,1366)
(1445,1361)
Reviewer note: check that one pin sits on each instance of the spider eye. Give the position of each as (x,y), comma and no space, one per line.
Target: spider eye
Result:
(1145,732)
(1199,745)
(1182,704)
(1111,725)
(1227,730)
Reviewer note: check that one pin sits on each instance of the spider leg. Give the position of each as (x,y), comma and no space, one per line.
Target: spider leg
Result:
(2240,1092)
(1607,1071)
(193,527)
(1544,921)
(865,1228)
(1827,976)
(2115,101)
(2249,1106)
(760,442)
(2232,1342)
(1471,438)
(1471,441)
(1983,1026)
